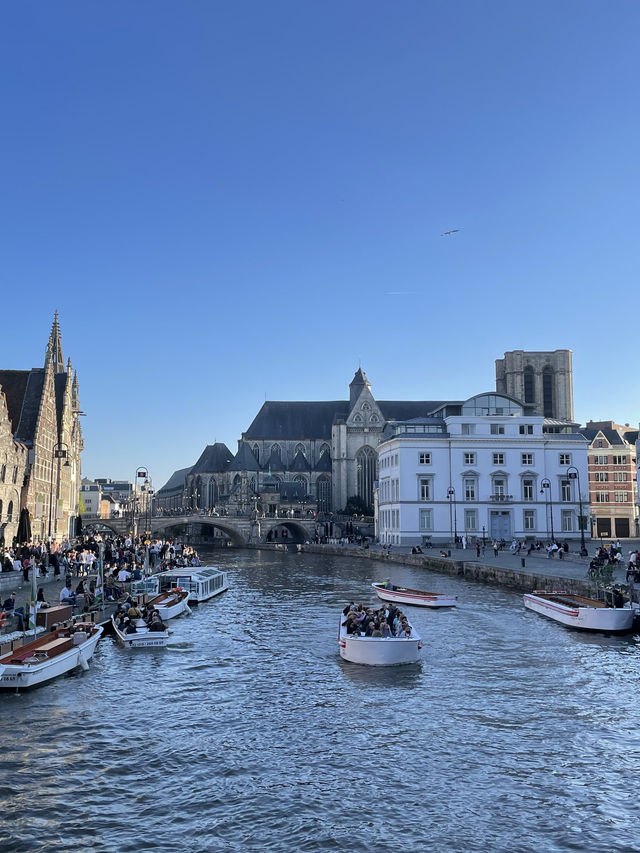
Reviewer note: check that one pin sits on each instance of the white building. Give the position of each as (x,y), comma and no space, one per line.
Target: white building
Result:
(484,467)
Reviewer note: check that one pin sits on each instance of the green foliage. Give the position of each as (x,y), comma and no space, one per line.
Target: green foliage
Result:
(357,506)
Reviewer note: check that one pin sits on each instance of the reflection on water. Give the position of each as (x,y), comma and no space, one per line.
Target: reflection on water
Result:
(250,733)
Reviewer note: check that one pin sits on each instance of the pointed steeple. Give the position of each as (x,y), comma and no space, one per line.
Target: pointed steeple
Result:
(54,347)
(358,382)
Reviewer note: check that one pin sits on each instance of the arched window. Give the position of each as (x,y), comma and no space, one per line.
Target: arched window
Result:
(357,419)
(366,467)
(256,452)
(213,493)
(301,482)
(324,448)
(547,392)
(237,480)
(323,493)
(3,473)
(276,449)
(300,448)
(10,511)
(529,391)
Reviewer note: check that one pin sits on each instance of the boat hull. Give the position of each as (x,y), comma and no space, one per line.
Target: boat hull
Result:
(203,582)
(414,597)
(171,606)
(610,619)
(141,639)
(18,676)
(378,651)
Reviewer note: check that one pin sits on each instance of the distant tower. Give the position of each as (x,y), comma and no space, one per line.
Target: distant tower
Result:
(541,379)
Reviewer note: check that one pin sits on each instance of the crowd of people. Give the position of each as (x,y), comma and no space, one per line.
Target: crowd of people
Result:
(131,617)
(386,621)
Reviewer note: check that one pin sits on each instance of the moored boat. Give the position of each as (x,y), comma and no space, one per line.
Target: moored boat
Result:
(49,656)
(378,651)
(141,638)
(419,597)
(171,603)
(202,582)
(577,611)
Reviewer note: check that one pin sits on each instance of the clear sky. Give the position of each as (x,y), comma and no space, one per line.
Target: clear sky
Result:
(227,201)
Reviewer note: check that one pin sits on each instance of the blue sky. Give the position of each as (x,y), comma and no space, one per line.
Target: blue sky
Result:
(227,201)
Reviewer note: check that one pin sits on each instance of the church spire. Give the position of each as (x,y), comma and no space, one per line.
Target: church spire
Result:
(54,347)
(358,382)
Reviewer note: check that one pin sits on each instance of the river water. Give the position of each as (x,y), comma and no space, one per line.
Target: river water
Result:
(249,732)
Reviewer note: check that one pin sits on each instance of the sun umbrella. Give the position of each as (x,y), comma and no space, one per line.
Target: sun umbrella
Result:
(24,527)
(78,525)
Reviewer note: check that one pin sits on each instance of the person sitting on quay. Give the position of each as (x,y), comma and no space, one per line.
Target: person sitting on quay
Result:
(67,596)
(9,607)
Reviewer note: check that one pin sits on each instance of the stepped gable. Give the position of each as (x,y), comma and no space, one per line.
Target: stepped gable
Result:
(296,421)
(14,385)
(175,481)
(244,459)
(300,462)
(214,458)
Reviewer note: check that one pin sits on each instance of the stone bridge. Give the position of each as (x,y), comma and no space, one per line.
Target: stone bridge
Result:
(240,530)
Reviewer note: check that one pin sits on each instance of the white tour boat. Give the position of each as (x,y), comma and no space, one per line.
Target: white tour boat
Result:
(142,637)
(580,612)
(202,582)
(378,651)
(48,656)
(404,595)
(171,603)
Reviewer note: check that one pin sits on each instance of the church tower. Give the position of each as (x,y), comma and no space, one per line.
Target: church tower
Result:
(540,379)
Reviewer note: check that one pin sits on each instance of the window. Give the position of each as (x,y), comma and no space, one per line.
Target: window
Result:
(528,379)
(567,521)
(14,479)
(600,460)
(470,489)
(547,392)
(529,519)
(469,458)
(526,429)
(256,452)
(619,460)
(468,429)
(620,476)
(499,486)
(621,497)
(602,497)
(497,429)
(426,519)
(498,458)
(527,458)
(599,442)
(3,473)
(528,490)
(10,511)
(602,477)
(424,458)
(565,490)
(425,489)
(470,519)
(565,459)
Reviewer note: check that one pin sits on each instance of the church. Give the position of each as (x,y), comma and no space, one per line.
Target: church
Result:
(315,455)
(40,446)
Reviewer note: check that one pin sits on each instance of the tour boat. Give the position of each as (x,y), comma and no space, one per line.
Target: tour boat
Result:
(378,651)
(142,638)
(171,603)
(50,655)
(201,582)
(580,612)
(404,595)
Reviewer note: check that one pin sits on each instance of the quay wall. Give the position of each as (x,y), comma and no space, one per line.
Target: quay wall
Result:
(515,579)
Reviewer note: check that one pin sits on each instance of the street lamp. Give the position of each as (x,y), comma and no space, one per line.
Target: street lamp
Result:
(142,473)
(59,450)
(451,494)
(546,484)
(574,474)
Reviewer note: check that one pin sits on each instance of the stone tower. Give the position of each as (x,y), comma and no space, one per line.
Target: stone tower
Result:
(541,379)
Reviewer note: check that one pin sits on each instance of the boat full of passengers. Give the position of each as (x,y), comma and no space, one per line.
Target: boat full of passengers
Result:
(381,645)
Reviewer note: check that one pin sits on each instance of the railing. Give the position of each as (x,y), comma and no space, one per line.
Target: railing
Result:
(501,498)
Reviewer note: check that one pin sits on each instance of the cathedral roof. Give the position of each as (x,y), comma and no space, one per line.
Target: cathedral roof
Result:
(175,481)
(300,462)
(274,462)
(323,463)
(404,410)
(296,420)
(214,458)
(244,459)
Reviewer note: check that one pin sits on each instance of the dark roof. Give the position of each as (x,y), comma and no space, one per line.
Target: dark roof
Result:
(30,405)
(244,460)
(175,481)
(323,463)
(612,435)
(631,435)
(300,462)
(296,420)
(214,458)
(405,410)
(274,462)
(14,383)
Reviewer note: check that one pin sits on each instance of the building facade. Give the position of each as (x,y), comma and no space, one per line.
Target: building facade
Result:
(543,380)
(482,468)
(613,485)
(42,406)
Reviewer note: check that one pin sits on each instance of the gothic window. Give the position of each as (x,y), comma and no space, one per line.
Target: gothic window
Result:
(213,493)
(547,392)
(10,511)
(15,475)
(366,471)
(323,493)
(301,481)
(366,407)
(237,480)
(300,449)
(529,393)
(324,448)
(357,419)
(256,452)
(252,484)
(3,473)
(374,419)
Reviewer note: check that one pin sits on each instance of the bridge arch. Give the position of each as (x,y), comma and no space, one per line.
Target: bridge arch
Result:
(162,525)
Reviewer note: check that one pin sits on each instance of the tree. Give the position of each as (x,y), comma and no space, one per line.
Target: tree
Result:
(357,506)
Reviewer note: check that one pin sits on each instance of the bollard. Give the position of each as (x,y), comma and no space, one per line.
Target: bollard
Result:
(522,562)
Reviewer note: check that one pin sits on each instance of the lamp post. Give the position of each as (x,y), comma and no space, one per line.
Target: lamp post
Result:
(451,494)
(59,450)
(544,486)
(142,473)
(574,474)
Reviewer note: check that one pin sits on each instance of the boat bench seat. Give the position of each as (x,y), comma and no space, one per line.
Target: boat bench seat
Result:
(19,657)
(61,644)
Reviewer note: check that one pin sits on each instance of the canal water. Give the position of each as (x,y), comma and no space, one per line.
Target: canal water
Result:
(249,732)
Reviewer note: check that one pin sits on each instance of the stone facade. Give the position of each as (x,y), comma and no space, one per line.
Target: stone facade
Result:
(540,379)
(13,467)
